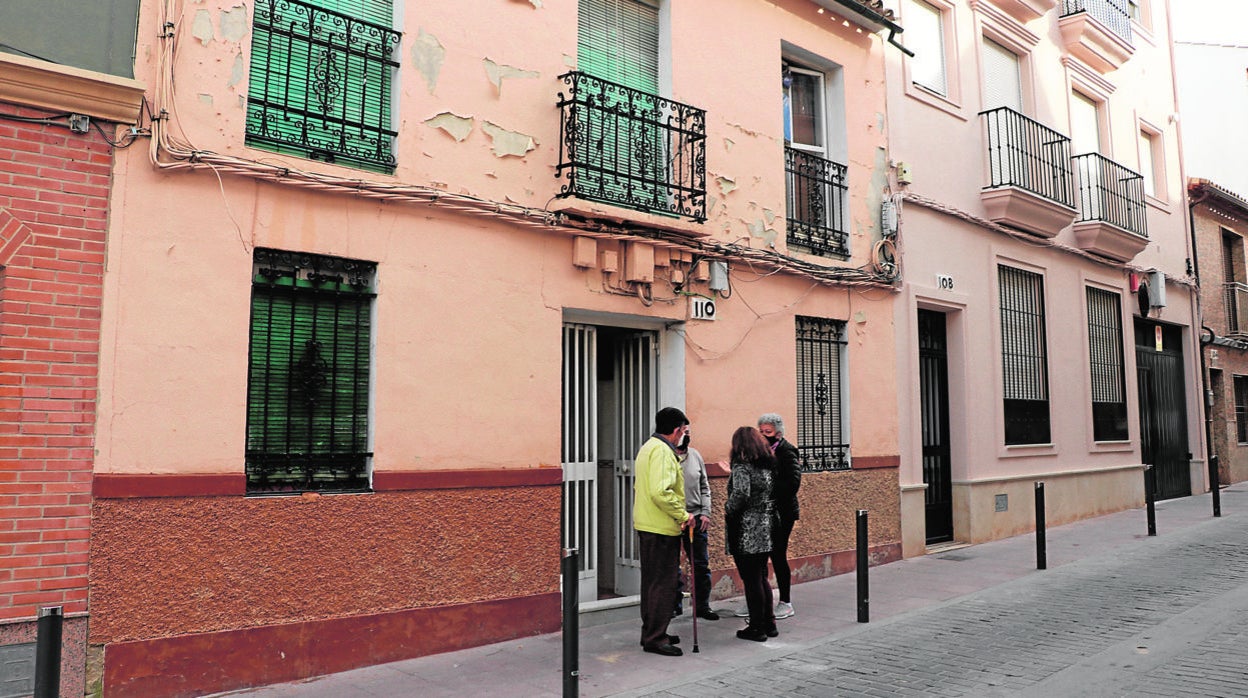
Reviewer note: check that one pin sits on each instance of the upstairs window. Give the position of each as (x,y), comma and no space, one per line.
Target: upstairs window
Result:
(322,81)
(1003,82)
(1024,358)
(1241,410)
(309,372)
(815,184)
(925,36)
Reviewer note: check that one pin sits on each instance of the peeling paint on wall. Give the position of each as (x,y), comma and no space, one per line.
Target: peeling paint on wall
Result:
(234,23)
(508,142)
(746,131)
(537,4)
(236,72)
(458,126)
(769,215)
(205,99)
(569,61)
(496,73)
(201,27)
(758,229)
(726,184)
(728,143)
(427,55)
(879,182)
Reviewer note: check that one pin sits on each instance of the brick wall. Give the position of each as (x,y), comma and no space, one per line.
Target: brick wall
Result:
(53,212)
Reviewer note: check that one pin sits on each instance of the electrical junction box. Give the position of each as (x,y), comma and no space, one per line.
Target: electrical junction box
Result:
(584,252)
(699,271)
(701,308)
(719,276)
(639,262)
(610,261)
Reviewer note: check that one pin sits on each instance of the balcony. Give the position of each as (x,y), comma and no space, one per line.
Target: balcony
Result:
(816,194)
(1111,208)
(628,148)
(1236,308)
(1097,32)
(1030,181)
(1025,10)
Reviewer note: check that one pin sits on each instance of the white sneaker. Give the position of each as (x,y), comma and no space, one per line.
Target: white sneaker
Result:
(743,612)
(784,609)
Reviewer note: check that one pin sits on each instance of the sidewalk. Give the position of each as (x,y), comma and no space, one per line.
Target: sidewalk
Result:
(611,662)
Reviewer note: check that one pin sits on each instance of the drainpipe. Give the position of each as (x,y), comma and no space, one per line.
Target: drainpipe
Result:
(1197,318)
(1206,392)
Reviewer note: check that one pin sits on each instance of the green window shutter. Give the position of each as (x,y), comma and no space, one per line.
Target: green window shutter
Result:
(308,375)
(321,81)
(618,40)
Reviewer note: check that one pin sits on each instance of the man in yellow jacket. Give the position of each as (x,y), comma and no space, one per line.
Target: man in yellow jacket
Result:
(660,518)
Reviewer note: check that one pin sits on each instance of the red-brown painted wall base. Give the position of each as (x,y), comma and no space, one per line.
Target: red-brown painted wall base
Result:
(808,569)
(191,665)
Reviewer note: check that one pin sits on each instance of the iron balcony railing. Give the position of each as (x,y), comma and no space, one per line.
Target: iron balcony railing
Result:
(1026,154)
(322,85)
(1110,193)
(1114,15)
(816,195)
(630,148)
(1236,307)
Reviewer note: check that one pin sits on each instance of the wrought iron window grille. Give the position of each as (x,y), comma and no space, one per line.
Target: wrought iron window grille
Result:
(1110,193)
(1024,357)
(622,146)
(1105,358)
(820,355)
(322,85)
(816,193)
(308,374)
(1114,15)
(1026,154)
(1236,307)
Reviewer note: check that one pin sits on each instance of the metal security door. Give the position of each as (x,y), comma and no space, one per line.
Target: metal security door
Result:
(934,397)
(580,452)
(1163,407)
(637,388)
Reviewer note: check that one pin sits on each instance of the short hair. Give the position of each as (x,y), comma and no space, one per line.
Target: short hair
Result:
(749,446)
(774,420)
(668,420)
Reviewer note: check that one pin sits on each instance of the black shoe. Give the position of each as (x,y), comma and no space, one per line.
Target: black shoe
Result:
(708,614)
(752,634)
(671,640)
(772,632)
(666,649)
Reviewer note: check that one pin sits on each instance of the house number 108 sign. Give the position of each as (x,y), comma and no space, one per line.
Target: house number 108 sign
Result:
(944,282)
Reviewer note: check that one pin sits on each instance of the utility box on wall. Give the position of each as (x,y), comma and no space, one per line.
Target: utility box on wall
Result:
(639,262)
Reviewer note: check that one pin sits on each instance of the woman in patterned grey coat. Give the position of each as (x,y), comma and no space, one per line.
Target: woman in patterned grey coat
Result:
(748,515)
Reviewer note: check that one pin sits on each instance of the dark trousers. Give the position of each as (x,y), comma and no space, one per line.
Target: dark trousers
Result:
(780,557)
(660,563)
(701,570)
(753,571)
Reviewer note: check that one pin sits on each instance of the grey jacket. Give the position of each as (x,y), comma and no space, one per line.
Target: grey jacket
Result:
(697,487)
(749,511)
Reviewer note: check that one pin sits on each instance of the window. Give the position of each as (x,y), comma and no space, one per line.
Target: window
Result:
(815,185)
(1153,163)
(1085,124)
(322,81)
(1024,357)
(1241,409)
(1109,401)
(308,373)
(1233,283)
(925,36)
(820,394)
(618,40)
(1003,83)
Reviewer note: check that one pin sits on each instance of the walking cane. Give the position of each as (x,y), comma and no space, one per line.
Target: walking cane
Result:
(693,586)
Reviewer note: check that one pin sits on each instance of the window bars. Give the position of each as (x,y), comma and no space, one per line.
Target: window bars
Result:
(630,148)
(308,373)
(322,85)
(1029,155)
(820,369)
(1114,15)
(1110,193)
(1109,401)
(816,194)
(1024,356)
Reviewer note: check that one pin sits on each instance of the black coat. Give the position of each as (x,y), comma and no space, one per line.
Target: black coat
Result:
(788,481)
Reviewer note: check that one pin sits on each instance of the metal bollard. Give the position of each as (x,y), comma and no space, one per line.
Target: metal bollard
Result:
(1150,484)
(864,602)
(1042,558)
(1214,486)
(48,652)
(571,622)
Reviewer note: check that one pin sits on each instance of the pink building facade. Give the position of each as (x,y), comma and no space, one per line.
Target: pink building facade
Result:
(397,288)
(1047,330)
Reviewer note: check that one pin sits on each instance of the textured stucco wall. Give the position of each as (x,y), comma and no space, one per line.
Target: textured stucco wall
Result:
(163,567)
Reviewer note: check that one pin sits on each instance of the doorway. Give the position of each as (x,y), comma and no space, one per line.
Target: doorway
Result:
(1163,406)
(934,399)
(610,396)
